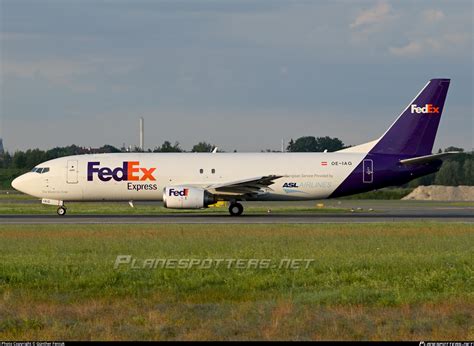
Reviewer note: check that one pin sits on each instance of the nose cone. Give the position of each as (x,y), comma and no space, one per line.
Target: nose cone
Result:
(25,183)
(16,183)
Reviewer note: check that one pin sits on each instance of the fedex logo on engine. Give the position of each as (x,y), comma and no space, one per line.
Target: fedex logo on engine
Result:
(178,193)
(427,109)
(130,171)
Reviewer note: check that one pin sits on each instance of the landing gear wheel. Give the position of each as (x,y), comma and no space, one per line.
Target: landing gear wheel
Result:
(236,209)
(61,211)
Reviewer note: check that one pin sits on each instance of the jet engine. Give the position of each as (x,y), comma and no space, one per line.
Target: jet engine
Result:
(182,197)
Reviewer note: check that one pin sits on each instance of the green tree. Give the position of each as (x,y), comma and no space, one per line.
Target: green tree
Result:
(468,169)
(107,148)
(64,151)
(453,149)
(6,160)
(202,147)
(20,160)
(425,180)
(167,147)
(329,144)
(34,157)
(303,144)
(449,174)
(312,144)
(291,145)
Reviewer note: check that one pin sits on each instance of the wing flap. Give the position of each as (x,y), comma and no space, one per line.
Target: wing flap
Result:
(242,187)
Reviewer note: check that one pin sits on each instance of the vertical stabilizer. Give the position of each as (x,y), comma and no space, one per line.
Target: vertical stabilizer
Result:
(414,132)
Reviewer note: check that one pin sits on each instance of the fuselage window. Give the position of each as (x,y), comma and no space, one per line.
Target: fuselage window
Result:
(213,171)
(201,171)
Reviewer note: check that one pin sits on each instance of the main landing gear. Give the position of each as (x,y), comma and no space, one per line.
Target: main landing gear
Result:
(236,209)
(61,211)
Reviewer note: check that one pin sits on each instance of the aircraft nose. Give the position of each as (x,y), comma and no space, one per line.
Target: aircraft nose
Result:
(16,183)
(19,183)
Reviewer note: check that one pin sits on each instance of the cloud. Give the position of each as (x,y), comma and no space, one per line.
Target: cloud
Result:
(55,70)
(65,72)
(446,43)
(183,60)
(411,49)
(20,37)
(432,15)
(17,36)
(374,16)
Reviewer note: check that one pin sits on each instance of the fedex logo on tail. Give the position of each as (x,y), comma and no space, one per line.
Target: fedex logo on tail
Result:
(427,109)
(179,192)
(130,171)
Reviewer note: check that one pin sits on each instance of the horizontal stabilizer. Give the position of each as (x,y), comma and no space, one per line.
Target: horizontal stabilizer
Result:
(428,158)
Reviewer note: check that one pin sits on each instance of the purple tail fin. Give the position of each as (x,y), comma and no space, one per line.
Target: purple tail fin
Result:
(414,132)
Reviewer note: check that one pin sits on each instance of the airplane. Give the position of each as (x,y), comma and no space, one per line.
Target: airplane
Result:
(197,180)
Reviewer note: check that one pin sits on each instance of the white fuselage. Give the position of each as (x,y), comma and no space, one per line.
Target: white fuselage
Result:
(305,176)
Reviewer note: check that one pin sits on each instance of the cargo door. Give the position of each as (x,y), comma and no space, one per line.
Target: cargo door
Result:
(368,169)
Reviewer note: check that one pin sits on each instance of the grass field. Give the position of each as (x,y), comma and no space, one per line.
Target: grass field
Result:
(367,281)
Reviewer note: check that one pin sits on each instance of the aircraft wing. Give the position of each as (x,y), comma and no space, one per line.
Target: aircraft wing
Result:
(428,158)
(242,187)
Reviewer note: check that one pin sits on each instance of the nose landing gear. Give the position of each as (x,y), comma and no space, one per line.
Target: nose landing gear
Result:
(236,209)
(61,211)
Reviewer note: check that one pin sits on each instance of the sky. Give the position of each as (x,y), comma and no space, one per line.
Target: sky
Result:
(240,74)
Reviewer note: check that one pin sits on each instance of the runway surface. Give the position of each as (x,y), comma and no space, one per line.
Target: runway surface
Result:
(290,218)
(363,211)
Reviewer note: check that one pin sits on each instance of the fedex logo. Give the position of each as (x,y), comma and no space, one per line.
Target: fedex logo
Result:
(130,171)
(178,193)
(427,109)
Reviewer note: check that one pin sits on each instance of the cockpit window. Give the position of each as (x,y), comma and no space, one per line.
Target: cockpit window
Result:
(40,170)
